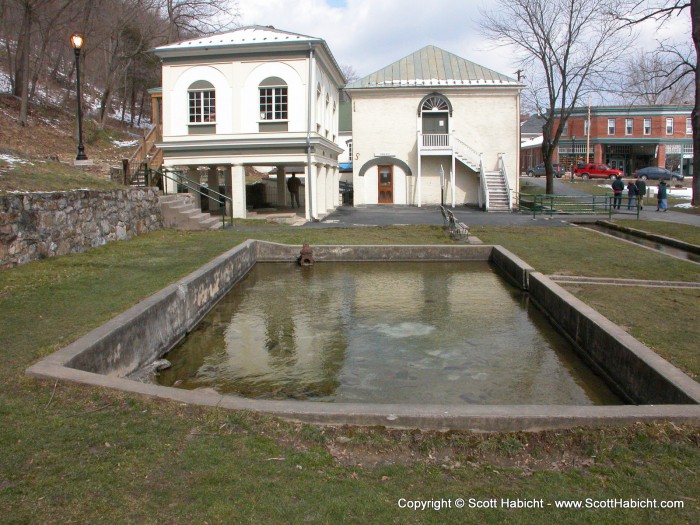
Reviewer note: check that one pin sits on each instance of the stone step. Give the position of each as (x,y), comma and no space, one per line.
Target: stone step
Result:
(179,212)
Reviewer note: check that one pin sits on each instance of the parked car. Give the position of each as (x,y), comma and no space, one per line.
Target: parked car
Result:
(596,171)
(656,173)
(539,170)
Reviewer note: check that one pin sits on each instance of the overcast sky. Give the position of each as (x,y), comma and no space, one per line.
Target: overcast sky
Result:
(371,34)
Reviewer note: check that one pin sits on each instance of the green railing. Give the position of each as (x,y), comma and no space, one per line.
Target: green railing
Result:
(181,181)
(575,205)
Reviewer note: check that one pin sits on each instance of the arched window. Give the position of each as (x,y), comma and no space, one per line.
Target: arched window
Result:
(273,99)
(435,103)
(435,111)
(202,103)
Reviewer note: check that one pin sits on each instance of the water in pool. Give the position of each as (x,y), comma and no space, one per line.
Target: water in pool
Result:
(428,333)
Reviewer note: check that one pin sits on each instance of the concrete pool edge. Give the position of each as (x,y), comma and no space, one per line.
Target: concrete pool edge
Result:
(149,329)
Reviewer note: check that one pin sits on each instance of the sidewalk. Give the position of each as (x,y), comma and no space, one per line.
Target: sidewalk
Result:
(394,215)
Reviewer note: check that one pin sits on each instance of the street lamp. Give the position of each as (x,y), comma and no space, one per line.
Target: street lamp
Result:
(573,156)
(77,42)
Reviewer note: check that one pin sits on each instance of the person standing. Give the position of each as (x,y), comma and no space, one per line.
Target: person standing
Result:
(618,187)
(662,196)
(641,191)
(293,186)
(631,194)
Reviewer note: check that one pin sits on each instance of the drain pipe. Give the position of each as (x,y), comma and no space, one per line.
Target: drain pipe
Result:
(309,175)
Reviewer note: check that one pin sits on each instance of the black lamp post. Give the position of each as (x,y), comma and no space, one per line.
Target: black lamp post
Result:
(77,41)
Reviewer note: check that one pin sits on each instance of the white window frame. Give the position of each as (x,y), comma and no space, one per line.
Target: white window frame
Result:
(201,106)
(274,103)
(586,126)
(629,126)
(689,126)
(611,126)
(647,126)
(565,129)
(669,129)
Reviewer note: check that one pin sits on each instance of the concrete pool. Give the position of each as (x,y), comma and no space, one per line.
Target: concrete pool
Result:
(109,354)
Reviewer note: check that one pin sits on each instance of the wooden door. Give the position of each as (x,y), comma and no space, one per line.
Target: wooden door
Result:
(386,185)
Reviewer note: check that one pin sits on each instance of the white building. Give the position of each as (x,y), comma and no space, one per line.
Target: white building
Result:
(256,96)
(431,127)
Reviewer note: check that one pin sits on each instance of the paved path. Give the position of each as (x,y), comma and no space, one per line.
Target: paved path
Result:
(387,215)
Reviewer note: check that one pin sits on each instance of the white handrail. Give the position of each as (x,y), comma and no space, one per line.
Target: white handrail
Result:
(466,150)
(484,183)
(504,174)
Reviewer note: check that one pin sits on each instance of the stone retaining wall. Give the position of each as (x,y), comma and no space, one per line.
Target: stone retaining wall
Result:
(629,367)
(39,225)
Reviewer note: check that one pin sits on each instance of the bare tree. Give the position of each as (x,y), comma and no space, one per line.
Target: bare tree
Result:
(190,18)
(566,47)
(636,11)
(349,73)
(659,77)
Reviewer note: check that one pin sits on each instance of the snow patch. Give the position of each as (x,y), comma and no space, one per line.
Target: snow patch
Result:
(125,143)
(10,159)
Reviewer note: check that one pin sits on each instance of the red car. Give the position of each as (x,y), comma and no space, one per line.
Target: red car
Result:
(596,171)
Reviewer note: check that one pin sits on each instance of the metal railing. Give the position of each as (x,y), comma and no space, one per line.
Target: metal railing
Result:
(504,174)
(180,180)
(484,183)
(573,205)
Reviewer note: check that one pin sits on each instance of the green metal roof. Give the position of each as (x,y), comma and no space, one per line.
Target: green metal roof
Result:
(432,66)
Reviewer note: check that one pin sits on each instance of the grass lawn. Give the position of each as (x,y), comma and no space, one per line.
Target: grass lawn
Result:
(45,175)
(79,454)
(654,316)
(576,251)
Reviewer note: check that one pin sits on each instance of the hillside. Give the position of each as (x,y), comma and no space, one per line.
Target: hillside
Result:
(40,156)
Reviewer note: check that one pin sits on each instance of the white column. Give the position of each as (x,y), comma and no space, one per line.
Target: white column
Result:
(310,202)
(228,192)
(331,190)
(320,188)
(169,184)
(238,191)
(419,182)
(453,179)
(281,186)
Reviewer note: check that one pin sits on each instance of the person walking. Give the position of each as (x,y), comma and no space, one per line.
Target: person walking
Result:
(618,187)
(662,197)
(641,191)
(293,186)
(631,194)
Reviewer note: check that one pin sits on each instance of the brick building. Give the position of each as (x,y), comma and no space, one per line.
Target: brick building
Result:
(630,137)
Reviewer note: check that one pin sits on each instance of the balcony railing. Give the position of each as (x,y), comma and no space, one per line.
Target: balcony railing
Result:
(435,140)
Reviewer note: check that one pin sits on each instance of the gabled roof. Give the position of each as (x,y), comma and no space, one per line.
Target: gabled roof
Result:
(250,35)
(432,66)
